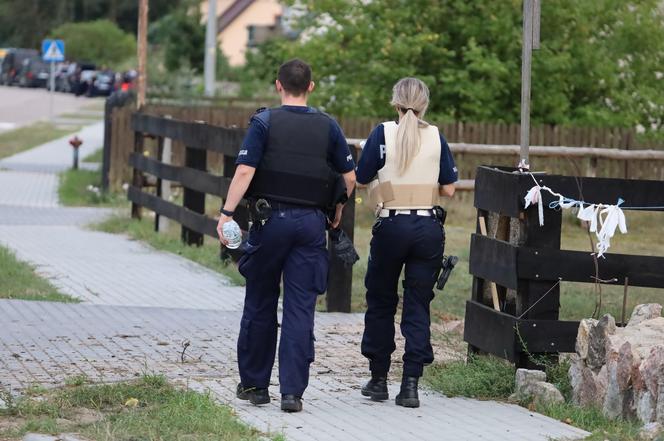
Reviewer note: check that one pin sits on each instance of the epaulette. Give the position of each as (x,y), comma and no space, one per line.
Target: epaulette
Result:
(261,115)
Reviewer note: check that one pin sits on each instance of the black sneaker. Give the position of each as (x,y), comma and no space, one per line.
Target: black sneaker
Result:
(408,394)
(255,396)
(291,403)
(376,388)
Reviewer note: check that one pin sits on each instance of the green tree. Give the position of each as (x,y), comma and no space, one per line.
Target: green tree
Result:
(182,36)
(101,42)
(24,23)
(598,64)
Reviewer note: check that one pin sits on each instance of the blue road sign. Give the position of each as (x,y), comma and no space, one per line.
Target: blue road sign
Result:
(53,50)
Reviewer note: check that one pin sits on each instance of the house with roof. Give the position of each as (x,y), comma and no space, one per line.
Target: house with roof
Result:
(242,24)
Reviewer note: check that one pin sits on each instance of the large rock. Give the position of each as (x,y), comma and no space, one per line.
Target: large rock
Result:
(587,387)
(543,392)
(597,344)
(583,337)
(660,404)
(643,337)
(526,377)
(651,432)
(617,401)
(621,369)
(647,311)
(652,369)
(532,384)
(645,407)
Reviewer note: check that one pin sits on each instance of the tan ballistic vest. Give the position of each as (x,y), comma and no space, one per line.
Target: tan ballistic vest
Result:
(417,188)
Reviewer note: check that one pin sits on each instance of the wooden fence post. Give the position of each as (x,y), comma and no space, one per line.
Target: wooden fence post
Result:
(538,299)
(340,286)
(162,223)
(137,180)
(160,155)
(192,199)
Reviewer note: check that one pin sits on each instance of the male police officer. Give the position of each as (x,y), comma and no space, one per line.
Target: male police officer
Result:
(290,159)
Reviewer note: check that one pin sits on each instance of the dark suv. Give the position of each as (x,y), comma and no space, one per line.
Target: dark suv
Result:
(12,64)
(33,73)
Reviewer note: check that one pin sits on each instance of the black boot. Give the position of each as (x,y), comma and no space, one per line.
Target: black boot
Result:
(255,395)
(408,395)
(376,388)
(291,403)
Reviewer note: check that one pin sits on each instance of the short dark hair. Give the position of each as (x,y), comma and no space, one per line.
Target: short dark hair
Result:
(295,76)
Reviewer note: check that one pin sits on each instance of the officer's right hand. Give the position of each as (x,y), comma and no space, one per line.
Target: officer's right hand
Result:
(220,228)
(337,216)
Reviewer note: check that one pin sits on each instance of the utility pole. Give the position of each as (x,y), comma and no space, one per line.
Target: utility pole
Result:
(210,47)
(531,40)
(142,52)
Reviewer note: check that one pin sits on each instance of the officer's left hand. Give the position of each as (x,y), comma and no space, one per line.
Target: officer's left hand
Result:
(220,228)
(337,216)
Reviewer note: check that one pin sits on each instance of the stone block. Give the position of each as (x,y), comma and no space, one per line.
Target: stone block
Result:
(598,341)
(645,407)
(583,336)
(644,312)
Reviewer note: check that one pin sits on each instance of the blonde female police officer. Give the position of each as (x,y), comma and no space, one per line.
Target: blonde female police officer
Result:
(408,166)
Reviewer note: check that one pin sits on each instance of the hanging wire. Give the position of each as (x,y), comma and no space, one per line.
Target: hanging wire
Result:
(540,299)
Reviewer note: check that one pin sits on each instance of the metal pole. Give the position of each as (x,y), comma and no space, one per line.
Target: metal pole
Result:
(52,87)
(527,53)
(210,47)
(142,52)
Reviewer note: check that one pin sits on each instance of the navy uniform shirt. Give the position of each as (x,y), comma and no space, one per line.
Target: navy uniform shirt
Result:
(256,138)
(373,159)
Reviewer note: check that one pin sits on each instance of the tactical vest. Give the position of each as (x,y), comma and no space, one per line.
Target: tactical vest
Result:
(417,187)
(294,167)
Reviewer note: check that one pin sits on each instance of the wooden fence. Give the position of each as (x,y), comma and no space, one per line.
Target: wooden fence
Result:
(458,134)
(200,139)
(524,265)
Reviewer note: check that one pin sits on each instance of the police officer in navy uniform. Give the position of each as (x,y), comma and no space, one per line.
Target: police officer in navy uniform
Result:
(291,158)
(408,166)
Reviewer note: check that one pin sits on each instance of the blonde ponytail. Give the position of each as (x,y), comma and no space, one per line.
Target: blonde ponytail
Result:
(411,97)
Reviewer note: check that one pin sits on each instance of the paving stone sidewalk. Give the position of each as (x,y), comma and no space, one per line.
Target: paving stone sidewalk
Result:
(140,306)
(48,342)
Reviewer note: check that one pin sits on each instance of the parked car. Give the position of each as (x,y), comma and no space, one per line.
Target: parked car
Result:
(85,82)
(62,75)
(103,84)
(33,73)
(12,63)
(79,73)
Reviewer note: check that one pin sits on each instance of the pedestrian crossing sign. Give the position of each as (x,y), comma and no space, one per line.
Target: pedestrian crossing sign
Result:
(53,50)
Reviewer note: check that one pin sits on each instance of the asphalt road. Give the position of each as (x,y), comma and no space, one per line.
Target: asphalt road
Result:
(22,106)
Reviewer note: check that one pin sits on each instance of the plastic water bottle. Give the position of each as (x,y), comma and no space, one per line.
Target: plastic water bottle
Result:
(233,235)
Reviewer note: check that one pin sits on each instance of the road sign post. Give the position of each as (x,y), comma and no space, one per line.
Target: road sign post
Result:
(53,51)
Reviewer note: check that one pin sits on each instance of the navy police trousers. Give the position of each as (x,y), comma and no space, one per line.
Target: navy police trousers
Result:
(292,245)
(416,242)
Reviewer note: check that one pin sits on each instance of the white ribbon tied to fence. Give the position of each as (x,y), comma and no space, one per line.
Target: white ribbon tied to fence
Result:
(603,219)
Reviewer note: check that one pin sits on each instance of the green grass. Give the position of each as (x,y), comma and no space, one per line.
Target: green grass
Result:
(24,138)
(82,188)
(207,255)
(81,115)
(485,377)
(161,412)
(18,280)
(481,377)
(96,156)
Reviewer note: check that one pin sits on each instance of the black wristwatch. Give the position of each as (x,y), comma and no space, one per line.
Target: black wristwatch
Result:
(226,212)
